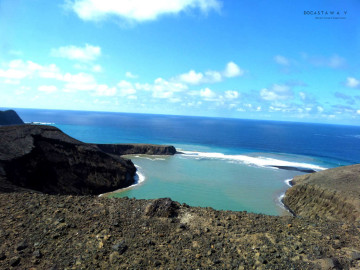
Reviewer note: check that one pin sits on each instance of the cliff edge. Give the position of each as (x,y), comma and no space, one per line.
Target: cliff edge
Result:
(137,148)
(10,117)
(333,194)
(43,158)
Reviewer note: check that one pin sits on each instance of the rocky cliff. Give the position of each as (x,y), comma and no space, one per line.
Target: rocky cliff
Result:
(333,194)
(44,159)
(137,148)
(10,117)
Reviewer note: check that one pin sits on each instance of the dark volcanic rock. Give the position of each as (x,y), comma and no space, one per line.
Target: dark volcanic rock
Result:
(333,194)
(137,148)
(45,159)
(297,169)
(197,238)
(10,117)
(162,208)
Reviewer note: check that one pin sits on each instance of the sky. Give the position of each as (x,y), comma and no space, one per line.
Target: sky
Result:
(281,60)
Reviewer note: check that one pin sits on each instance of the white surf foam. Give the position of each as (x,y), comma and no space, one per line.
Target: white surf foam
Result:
(42,123)
(150,158)
(255,161)
(139,178)
(280,201)
(288,182)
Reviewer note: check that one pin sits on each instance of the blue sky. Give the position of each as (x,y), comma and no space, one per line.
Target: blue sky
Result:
(255,59)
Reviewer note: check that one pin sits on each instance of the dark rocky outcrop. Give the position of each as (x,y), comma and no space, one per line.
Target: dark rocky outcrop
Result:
(162,208)
(10,117)
(296,169)
(333,194)
(44,159)
(137,148)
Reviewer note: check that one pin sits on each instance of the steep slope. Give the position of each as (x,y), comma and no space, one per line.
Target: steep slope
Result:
(45,159)
(10,117)
(333,194)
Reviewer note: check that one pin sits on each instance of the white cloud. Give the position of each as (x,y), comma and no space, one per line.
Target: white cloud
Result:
(124,84)
(51,72)
(19,69)
(352,82)
(13,74)
(282,60)
(232,70)
(129,75)
(191,77)
(281,88)
(48,89)
(97,68)
(231,94)
(19,92)
(136,10)
(128,91)
(80,81)
(88,67)
(334,61)
(161,88)
(10,81)
(87,53)
(358,111)
(320,109)
(211,76)
(81,77)
(105,90)
(207,94)
(276,92)
(302,95)
(268,95)
(175,100)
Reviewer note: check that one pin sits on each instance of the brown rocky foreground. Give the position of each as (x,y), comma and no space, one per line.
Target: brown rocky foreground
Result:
(40,231)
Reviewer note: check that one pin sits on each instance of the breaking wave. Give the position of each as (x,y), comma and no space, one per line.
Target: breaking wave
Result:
(252,161)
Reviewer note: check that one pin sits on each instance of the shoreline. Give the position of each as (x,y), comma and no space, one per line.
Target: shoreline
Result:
(278,200)
(139,179)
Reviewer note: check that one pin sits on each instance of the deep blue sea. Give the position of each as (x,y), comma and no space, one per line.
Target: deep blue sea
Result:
(225,163)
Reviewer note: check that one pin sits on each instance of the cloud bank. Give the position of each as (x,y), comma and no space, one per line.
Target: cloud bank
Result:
(136,10)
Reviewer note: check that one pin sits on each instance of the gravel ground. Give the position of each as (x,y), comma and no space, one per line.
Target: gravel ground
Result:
(39,231)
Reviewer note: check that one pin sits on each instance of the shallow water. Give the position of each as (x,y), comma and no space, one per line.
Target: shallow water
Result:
(224,182)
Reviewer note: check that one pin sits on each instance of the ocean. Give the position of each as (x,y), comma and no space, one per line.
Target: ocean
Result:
(226,164)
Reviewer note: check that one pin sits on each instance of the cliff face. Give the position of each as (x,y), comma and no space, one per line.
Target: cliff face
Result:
(333,194)
(137,148)
(10,117)
(45,159)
